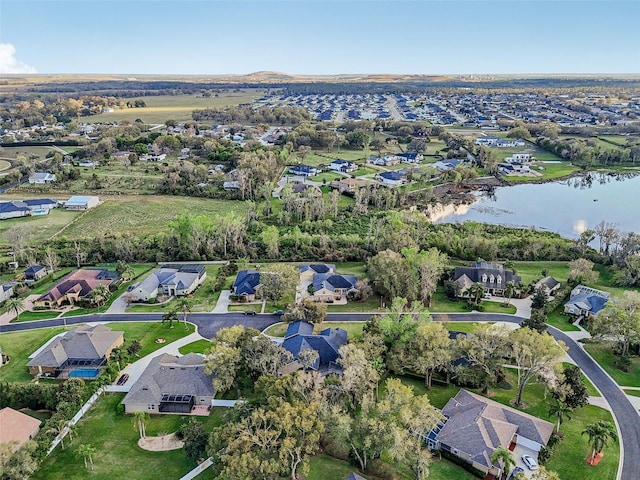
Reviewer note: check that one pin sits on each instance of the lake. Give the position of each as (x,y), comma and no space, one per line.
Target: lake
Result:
(568,207)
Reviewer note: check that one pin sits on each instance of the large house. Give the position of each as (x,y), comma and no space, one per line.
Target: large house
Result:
(304,171)
(76,286)
(410,157)
(246,284)
(475,426)
(6,292)
(489,141)
(521,157)
(515,168)
(78,353)
(492,276)
(391,179)
(327,343)
(385,161)
(308,271)
(332,287)
(42,178)
(348,185)
(549,284)
(25,208)
(343,166)
(585,301)
(170,280)
(81,202)
(172,384)
(17,427)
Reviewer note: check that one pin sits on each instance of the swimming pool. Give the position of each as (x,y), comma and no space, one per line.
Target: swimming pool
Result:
(84,373)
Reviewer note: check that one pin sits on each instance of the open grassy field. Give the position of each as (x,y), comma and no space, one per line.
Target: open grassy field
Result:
(39,228)
(144,215)
(161,108)
(551,171)
(4,165)
(116,442)
(15,152)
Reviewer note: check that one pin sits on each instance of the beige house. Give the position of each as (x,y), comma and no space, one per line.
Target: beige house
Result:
(83,349)
(75,286)
(172,384)
(17,427)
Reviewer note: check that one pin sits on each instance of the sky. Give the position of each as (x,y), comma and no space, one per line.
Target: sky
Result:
(211,37)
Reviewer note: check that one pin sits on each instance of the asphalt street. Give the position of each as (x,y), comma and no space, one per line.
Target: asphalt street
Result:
(626,416)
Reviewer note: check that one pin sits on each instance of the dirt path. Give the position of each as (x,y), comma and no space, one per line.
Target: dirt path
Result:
(160,444)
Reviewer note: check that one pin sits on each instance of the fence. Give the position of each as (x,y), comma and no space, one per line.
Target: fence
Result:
(198,470)
(76,418)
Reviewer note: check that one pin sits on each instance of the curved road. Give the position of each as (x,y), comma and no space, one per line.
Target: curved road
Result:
(625,415)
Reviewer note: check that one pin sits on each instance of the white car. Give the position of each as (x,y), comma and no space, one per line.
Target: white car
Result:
(530,462)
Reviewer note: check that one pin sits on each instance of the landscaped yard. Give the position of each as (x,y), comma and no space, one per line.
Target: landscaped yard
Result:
(354,329)
(560,321)
(602,352)
(440,303)
(117,452)
(199,346)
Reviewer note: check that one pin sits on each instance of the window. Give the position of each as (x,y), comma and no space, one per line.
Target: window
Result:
(491,278)
(499,279)
(484,278)
(151,407)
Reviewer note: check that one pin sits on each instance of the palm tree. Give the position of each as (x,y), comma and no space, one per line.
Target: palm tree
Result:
(126,271)
(171,316)
(185,306)
(58,429)
(560,410)
(476,291)
(599,434)
(15,305)
(503,457)
(87,451)
(100,294)
(139,422)
(509,290)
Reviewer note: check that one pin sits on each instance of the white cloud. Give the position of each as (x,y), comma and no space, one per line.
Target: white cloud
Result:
(9,63)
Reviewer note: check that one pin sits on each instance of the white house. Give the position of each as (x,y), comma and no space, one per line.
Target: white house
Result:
(513,168)
(387,160)
(342,166)
(81,202)
(519,158)
(42,178)
(171,280)
(391,179)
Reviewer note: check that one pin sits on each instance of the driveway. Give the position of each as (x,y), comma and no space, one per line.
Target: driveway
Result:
(517,455)
(6,318)
(119,305)
(222,305)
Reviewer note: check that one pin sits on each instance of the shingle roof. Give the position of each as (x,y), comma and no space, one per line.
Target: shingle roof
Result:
(81,343)
(327,343)
(475,272)
(298,328)
(246,282)
(17,426)
(318,267)
(548,282)
(13,206)
(476,426)
(169,374)
(331,281)
(82,281)
(33,269)
(587,298)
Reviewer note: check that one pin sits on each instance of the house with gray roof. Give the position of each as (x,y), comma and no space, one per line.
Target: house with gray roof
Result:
(327,343)
(246,284)
(549,284)
(83,348)
(585,301)
(332,287)
(492,276)
(170,280)
(475,426)
(172,384)
(42,178)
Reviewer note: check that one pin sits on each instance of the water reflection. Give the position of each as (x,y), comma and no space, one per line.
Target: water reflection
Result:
(568,207)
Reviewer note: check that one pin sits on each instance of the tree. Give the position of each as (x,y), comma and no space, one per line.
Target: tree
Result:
(390,277)
(100,294)
(543,474)
(309,311)
(560,411)
(58,428)
(503,457)
(51,259)
(486,350)
(429,349)
(125,270)
(15,305)
(170,317)
(185,306)
(87,451)
(534,354)
(79,252)
(539,299)
(620,320)
(359,377)
(599,433)
(134,348)
(509,291)
(279,280)
(572,390)
(581,271)
(195,438)
(271,238)
(537,321)
(140,420)
(19,465)
(429,265)
(476,292)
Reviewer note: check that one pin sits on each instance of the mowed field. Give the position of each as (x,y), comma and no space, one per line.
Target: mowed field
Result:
(37,229)
(173,107)
(144,215)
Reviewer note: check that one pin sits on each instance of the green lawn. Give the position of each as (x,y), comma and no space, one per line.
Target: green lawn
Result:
(118,454)
(19,345)
(633,393)
(532,271)
(440,303)
(560,321)
(199,346)
(326,177)
(550,171)
(354,329)
(602,352)
(243,307)
(365,171)
(371,304)
(28,316)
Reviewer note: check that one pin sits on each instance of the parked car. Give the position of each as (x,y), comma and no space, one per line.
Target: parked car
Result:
(123,379)
(250,312)
(279,312)
(530,462)
(515,472)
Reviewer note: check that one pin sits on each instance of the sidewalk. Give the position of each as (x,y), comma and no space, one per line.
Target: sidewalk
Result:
(135,369)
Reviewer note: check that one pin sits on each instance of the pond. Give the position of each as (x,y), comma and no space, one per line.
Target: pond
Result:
(568,207)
